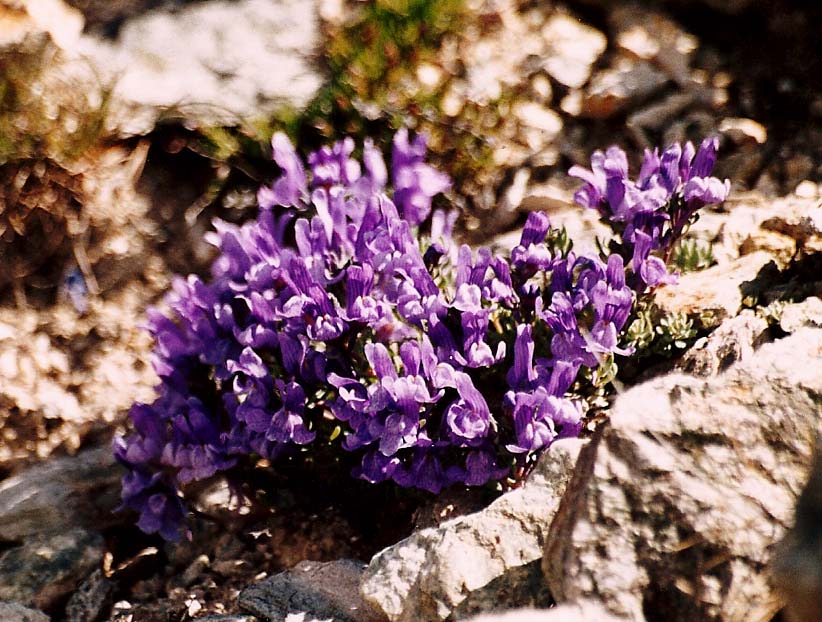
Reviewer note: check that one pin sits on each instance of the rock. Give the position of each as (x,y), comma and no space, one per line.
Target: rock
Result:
(799,219)
(674,506)
(735,339)
(47,568)
(542,125)
(583,611)
(76,491)
(781,226)
(573,49)
(90,600)
(316,591)
(229,618)
(21,18)
(15,612)
(218,62)
(479,562)
(620,87)
(798,315)
(716,293)
(796,567)
(742,131)
(650,35)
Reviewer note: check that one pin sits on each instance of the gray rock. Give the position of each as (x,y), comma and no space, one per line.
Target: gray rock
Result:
(90,600)
(47,568)
(219,62)
(229,618)
(584,611)
(617,88)
(311,591)
(76,491)
(479,562)
(674,506)
(15,612)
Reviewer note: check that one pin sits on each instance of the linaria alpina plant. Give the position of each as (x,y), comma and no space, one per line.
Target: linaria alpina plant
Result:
(330,324)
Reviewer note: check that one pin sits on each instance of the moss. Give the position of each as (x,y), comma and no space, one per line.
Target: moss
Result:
(61,126)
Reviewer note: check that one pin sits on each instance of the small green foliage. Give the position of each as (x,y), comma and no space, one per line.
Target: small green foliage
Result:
(691,256)
(772,313)
(675,330)
(375,62)
(654,332)
(60,127)
(559,243)
(640,333)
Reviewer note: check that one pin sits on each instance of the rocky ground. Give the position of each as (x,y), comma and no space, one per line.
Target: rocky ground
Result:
(126,126)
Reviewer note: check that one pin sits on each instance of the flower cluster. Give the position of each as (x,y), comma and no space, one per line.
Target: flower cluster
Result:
(651,213)
(327,326)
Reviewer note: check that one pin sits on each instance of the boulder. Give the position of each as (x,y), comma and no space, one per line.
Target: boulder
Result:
(478,562)
(675,504)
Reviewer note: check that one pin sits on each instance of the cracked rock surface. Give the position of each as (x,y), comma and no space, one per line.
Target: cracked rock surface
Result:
(479,562)
(677,502)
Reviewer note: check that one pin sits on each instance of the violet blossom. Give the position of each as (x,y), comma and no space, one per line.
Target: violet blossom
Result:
(438,366)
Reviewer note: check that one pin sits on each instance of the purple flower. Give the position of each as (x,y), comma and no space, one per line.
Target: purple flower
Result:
(537,416)
(446,367)
(291,188)
(415,182)
(333,165)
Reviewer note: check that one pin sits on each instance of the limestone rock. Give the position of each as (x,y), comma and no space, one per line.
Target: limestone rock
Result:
(619,87)
(652,36)
(779,227)
(674,506)
(574,48)
(215,62)
(77,491)
(21,18)
(735,339)
(315,591)
(717,292)
(800,314)
(47,568)
(15,612)
(478,562)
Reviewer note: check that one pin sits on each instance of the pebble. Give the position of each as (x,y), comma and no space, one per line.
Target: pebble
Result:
(743,130)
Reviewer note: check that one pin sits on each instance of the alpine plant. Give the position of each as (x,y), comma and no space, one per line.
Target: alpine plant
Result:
(331,323)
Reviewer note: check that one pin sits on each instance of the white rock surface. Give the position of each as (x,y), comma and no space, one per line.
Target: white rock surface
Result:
(218,61)
(476,562)
(675,505)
